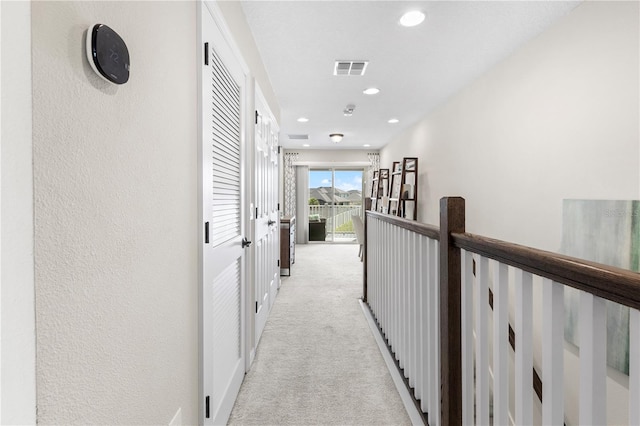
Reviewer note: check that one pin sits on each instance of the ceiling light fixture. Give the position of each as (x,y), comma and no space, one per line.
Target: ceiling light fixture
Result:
(306,145)
(303,120)
(393,121)
(371,91)
(412,18)
(366,145)
(336,137)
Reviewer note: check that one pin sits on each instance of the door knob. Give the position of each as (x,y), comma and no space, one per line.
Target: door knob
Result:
(245,243)
(271,222)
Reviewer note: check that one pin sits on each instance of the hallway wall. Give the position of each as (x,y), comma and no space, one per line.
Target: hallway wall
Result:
(115,217)
(558,119)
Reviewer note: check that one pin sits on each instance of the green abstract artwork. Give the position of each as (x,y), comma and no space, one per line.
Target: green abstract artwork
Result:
(608,232)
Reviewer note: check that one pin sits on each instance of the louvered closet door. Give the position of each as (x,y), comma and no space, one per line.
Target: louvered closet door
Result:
(223,254)
(265,198)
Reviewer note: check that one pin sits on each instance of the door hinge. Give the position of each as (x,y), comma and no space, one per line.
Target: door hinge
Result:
(278,149)
(206,232)
(257,116)
(256,307)
(206,53)
(206,407)
(256,212)
(278,206)
(278,262)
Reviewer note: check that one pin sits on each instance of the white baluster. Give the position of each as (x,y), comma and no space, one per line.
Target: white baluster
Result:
(467,337)
(634,367)
(417,307)
(388,281)
(409,311)
(400,289)
(524,348)
(377,267)
(386,256)
(552,352)
(501,348)
(404,304)
(395,292)
(420,317)
(383,267)
(373,244)
(425,320)
(434,415)
(593,360)
(411,302)
(482,342)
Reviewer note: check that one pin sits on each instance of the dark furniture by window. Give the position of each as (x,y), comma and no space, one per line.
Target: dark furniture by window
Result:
(318,230)
(287,243)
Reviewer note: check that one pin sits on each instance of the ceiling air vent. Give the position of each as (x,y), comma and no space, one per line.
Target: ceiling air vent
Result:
(350,67)
(299,137)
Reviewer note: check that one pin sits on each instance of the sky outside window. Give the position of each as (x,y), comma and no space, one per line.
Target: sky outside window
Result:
(346,180)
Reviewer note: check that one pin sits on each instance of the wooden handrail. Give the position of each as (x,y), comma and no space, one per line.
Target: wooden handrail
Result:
(608,282)
(430,231)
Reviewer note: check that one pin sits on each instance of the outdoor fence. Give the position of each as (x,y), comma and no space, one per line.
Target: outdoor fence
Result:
(337,216)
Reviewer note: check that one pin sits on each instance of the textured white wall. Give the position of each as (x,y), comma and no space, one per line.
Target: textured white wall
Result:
(237,23)
(18,382)
(115,187)
(558,119)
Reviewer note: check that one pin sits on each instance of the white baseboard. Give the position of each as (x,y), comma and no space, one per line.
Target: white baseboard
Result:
(407,400)
(177,419)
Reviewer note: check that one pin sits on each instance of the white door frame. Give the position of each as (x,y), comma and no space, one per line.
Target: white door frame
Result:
(266,218)
(212,8)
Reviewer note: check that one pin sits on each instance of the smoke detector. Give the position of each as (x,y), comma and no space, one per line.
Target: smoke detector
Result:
(350,67)
(348,111)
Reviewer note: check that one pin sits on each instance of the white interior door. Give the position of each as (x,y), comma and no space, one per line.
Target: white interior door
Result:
(223,223)
(266,237)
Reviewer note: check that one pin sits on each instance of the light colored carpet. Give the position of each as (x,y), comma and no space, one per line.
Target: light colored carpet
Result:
(317,361)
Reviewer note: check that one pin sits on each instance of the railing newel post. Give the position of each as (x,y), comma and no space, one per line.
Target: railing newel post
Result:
(452,220)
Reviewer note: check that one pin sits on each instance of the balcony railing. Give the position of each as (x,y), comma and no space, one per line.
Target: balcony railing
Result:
(338,217)
(440,297)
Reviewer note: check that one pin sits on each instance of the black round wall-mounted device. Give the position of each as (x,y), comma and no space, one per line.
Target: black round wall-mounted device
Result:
(108,54)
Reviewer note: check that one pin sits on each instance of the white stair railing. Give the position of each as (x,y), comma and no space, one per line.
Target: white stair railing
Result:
(403,296)
(421,303)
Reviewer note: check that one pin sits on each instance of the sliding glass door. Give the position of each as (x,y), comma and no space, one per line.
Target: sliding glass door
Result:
(335,195)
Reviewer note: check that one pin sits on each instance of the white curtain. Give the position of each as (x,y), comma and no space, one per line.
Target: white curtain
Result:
(302,204)
(290,183)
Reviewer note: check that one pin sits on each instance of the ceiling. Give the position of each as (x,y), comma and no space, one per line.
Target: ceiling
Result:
(416,69)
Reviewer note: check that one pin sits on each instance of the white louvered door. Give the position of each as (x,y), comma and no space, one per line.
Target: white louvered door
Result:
(223,85)
(265,199)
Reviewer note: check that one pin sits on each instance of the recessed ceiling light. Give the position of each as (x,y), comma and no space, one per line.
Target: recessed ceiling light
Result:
(303,120)
(366,145)
(306,145)
(371,91)
(393,121)
(412,18)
